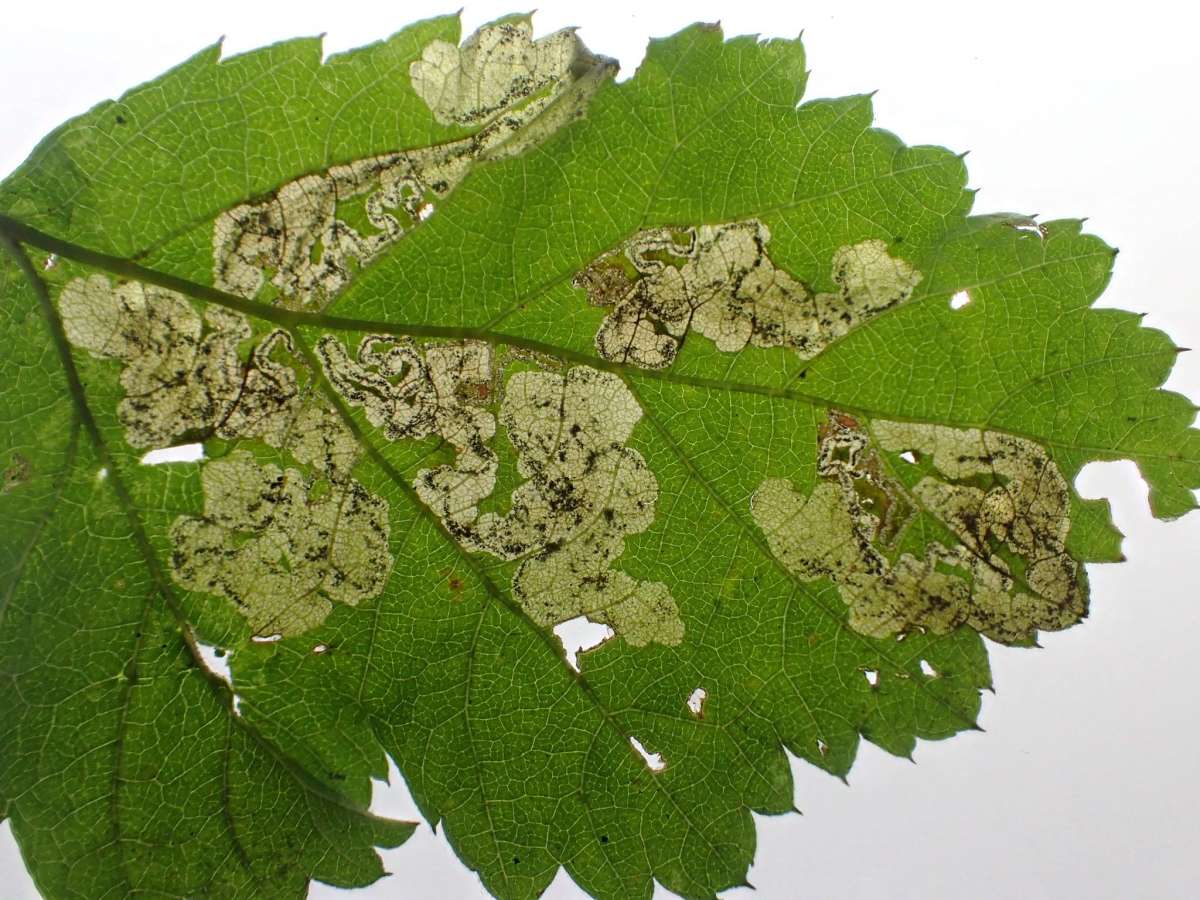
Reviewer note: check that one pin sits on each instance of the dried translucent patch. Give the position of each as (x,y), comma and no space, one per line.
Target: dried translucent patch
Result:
(308,238)
(496,67)
(182,372)
(719,281)
(310,235)
(280,550)
(412,393)
(1006,572)
(585,492)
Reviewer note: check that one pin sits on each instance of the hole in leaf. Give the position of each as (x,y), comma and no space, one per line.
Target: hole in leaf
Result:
(101,474)
(959,300)
(872,676)
(822,747)
(654,761)
(1029,226)
(320,648)
(579,635)
(266,638)
(51,262)
(180,453)
(909,457)
(216,660)
(927,669)
(425,211)
(695,702)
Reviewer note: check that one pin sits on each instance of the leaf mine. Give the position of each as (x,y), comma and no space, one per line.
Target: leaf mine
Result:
(585,490)
(183,375)
(1003,569)
(719,281)
(306,240)
(496,68)
(279,550)
(412,393)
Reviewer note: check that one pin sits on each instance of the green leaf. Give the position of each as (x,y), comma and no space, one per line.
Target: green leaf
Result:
(479,342)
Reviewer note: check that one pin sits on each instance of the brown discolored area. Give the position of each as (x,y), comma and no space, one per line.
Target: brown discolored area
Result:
(16,473)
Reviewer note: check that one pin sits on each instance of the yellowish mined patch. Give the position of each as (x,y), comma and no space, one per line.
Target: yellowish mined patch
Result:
(282,553)
(182,373)
(496,67)
(300,238)
(309,237)
(265,542)
(719,281)
(414,394)
(318,437)
(585,492)
(1002,498)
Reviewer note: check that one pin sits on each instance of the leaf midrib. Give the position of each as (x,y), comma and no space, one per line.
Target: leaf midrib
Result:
(294,319)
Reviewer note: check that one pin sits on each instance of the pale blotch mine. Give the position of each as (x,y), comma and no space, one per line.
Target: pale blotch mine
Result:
(278,549)
(281,554)
(1008,575)
(719,281)
(308,238)
(412,393)
(496,67)
(182,372)
(585,492)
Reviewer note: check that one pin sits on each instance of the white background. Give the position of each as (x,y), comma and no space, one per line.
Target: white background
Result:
(1087,781)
